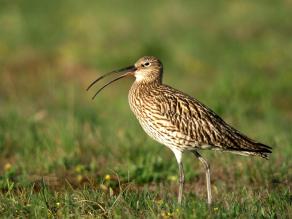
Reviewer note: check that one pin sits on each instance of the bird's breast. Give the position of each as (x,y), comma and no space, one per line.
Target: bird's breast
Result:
(147,108)
(142,103)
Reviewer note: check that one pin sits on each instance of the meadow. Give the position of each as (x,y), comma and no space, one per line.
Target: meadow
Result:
(63,155)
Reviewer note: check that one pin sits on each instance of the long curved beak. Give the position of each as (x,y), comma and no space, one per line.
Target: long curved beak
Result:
(122,72)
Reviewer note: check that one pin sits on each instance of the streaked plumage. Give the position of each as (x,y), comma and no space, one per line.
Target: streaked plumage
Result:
(179,121)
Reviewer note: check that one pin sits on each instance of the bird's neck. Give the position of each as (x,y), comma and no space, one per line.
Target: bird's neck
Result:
(143,88)
(146,84)
(140,92)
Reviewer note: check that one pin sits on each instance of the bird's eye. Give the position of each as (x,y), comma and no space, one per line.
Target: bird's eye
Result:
(146,64)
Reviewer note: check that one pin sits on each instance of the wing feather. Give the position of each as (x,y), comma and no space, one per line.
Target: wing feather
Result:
(201,125)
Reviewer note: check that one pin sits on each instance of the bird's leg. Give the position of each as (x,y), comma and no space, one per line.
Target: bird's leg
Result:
(178,156)
(181,182)
(207,171)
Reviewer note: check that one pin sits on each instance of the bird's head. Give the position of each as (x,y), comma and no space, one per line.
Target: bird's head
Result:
(147,69)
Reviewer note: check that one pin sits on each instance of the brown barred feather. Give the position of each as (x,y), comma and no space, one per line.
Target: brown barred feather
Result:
(178,120)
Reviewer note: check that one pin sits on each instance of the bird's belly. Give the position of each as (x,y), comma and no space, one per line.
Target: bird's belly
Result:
(162,131)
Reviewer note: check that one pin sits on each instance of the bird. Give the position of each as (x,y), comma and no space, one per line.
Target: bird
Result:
(179,121)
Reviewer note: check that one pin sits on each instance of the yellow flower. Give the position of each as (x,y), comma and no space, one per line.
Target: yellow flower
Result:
(79,168)
(166,214)
(107,177)
(172,178)
(79,178)
(7,166)
(163,214)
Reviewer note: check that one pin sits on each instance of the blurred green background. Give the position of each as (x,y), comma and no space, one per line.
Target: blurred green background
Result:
(63,155)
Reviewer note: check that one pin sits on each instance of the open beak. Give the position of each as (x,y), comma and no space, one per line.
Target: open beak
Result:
(122,72)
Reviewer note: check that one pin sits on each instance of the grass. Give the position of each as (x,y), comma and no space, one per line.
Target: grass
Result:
(63,155)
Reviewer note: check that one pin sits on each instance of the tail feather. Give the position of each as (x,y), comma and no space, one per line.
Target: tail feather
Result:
(262,150)
(255,149)
(246,146)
